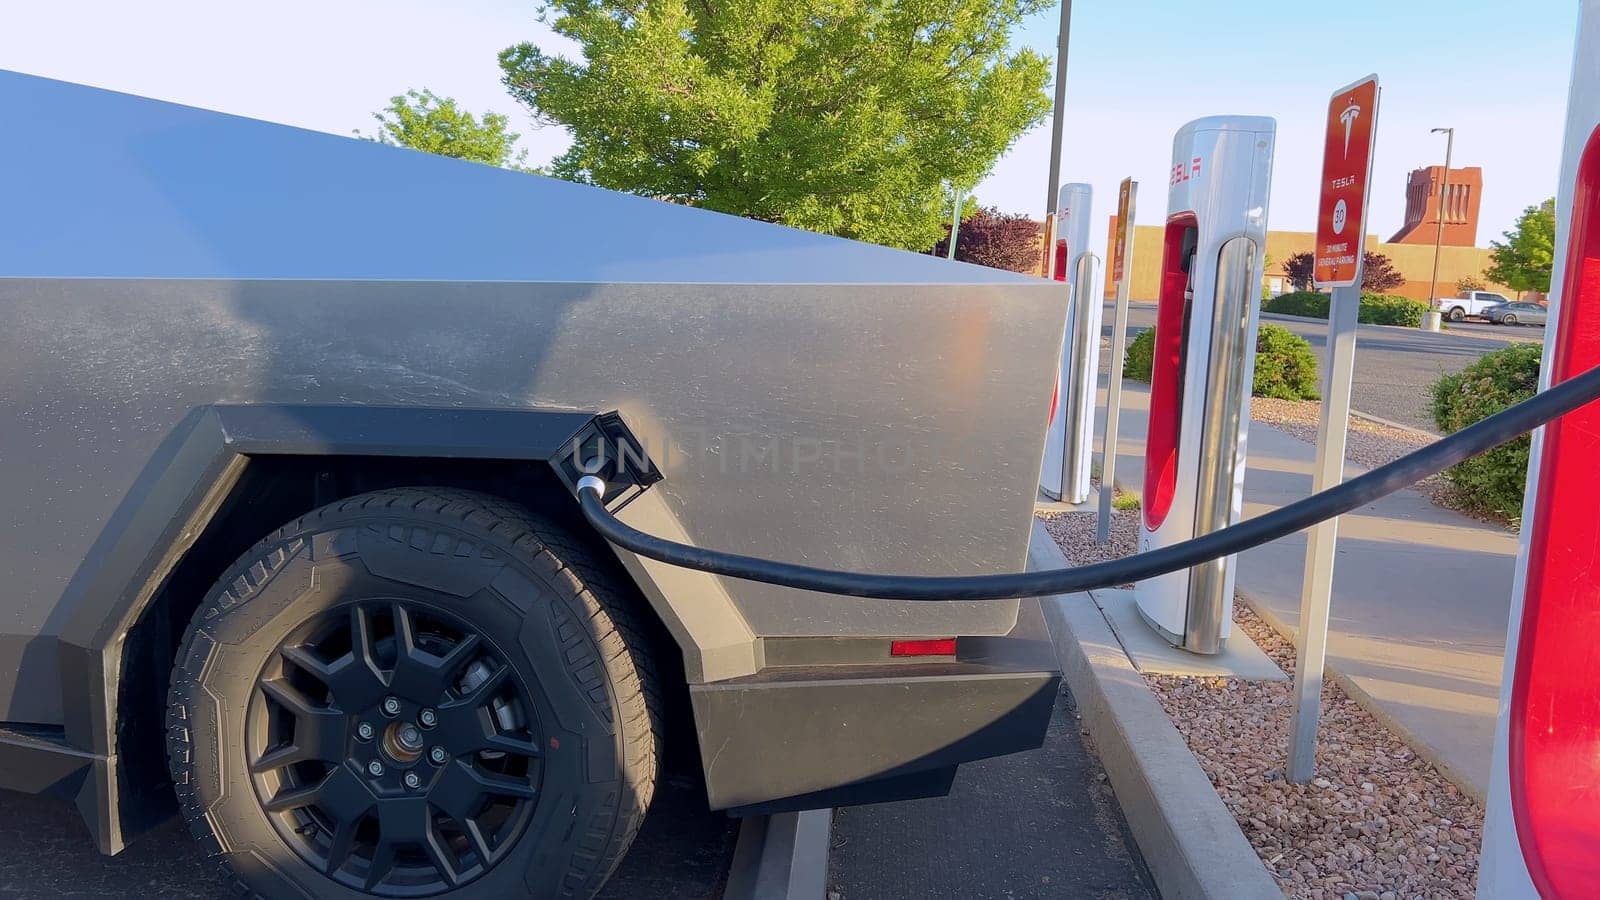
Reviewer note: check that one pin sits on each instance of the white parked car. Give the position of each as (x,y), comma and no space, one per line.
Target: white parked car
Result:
(1471,303)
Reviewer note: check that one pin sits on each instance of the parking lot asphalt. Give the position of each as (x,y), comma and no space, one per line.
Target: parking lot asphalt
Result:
(1041,824)
(682,853)
(1394,366)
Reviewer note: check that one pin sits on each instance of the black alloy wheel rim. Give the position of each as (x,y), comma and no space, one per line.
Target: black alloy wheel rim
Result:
(393,747)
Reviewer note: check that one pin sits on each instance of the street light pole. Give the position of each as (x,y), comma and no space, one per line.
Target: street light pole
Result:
(1057,121)
(1438,237)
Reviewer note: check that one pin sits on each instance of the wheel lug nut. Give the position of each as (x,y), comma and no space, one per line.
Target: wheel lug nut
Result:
(364,731)
(438,756)
(391,706)
(428,718)
(412,781)
(375,767)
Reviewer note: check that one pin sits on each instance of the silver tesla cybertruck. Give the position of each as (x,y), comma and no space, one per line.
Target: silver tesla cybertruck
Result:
(289,431)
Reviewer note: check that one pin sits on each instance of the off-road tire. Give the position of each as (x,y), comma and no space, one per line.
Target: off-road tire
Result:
(556,613)
(1457,314)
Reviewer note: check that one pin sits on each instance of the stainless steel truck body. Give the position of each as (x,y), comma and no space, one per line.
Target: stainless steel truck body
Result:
(212,328)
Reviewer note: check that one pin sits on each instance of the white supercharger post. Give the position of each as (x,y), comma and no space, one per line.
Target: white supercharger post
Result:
(1542,834)
(1210,297)
(1065,474)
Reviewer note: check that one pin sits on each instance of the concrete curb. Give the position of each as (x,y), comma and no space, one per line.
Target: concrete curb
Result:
(1367,702)
(781,857)
(1390,423)
(1190,841)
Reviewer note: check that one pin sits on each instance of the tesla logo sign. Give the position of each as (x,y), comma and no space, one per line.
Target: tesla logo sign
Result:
(1182,173)
(1346,169)
(1348,117)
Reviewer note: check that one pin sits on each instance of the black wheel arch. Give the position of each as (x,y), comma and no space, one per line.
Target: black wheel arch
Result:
(227,476)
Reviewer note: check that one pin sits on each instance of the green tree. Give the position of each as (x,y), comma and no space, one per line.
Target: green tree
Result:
(1523,262)
(424,121)
(842,116)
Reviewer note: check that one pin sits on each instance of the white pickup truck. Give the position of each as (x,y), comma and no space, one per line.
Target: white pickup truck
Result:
(1470,303)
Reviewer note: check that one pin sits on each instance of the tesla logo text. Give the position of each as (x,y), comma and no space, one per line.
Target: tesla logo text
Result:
(1182,173)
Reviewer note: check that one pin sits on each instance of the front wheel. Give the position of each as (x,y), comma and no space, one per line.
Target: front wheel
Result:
(1509,320)
(415,693)
(1457,314)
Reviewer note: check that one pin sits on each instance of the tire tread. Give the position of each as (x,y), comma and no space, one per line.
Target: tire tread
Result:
(598,627)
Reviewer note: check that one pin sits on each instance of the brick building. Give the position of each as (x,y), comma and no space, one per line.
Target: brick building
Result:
(1463,192)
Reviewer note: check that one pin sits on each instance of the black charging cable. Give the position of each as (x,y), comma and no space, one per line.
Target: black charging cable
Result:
(1382,481)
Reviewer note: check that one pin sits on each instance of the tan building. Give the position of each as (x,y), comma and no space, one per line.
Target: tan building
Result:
(1411,248)
(1414,261)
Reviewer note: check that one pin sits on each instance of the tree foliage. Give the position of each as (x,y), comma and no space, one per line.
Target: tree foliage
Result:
(1378,272)
(1522,262)
(422,120)
(989,237)
(1299,269)
(1493,481)
(848,117)
(1468,284)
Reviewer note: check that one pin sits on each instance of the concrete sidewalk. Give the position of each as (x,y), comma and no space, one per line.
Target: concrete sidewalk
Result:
(1421,596)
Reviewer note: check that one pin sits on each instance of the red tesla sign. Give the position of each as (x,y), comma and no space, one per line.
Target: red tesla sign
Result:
(1346,170)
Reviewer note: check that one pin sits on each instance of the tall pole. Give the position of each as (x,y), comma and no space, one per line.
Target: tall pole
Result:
(1121,268)
(955,223)
(1438,237)
(1057,120)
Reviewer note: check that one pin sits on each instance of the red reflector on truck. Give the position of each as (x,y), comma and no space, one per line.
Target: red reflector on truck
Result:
(935,647)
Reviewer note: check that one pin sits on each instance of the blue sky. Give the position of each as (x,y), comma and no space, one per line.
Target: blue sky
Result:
(1139,69)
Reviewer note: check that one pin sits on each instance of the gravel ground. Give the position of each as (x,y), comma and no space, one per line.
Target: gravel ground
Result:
(1074,532)
(1368,444)
(1377,823)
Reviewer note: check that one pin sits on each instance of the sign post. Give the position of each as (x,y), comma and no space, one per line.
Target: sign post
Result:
(1048,252)
(955,223)
(1121,256)
(1341,240)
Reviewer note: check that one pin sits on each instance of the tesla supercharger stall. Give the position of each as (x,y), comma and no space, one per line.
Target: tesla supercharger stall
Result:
(1542,834)
(1065,474)
(1209,299)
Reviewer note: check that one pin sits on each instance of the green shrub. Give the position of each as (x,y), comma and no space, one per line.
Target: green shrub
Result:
(1493,481)
(1285,366)
(1376,309)
(1388,309)
(1140,359)
(1311,304)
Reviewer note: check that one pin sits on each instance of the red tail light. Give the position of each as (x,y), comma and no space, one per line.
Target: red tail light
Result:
(935,647)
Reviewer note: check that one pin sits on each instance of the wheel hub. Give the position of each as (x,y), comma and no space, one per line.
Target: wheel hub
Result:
(402,742)
(394,748)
